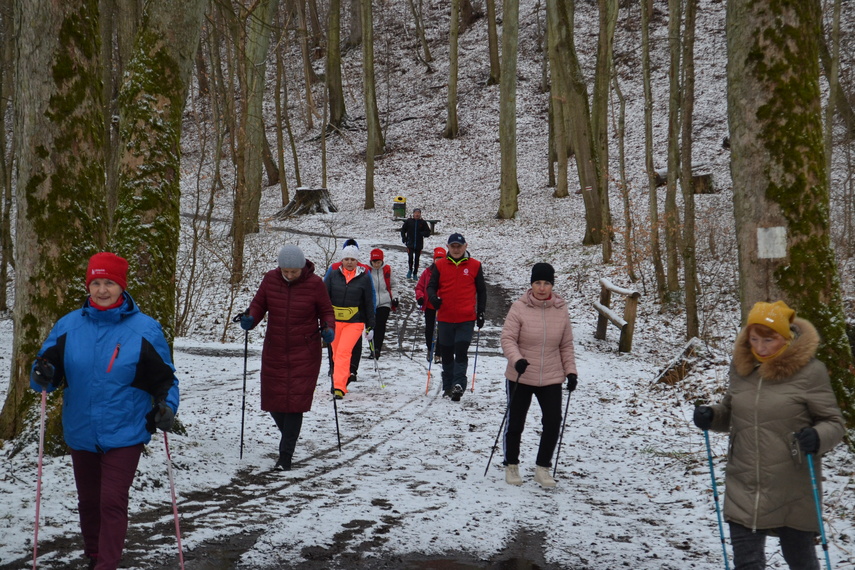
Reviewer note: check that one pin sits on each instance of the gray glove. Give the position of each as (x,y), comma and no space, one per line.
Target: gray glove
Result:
(160,417)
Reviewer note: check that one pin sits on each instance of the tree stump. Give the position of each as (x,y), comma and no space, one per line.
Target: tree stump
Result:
(307,201)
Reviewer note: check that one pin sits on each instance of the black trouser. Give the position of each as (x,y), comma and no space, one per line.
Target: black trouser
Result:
(549,398)
(356,356)
(749,552)
(413,256)
(453,340)
(380,318)
(430,325)
(289,425)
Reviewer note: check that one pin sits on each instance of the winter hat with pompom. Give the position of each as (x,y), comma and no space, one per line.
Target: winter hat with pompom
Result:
(350,251)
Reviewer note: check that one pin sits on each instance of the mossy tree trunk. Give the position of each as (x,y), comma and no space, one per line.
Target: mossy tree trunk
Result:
(61,218)
(781,195)
(335,86)
(152,103)
(7,93)
(508,184)
(557,41)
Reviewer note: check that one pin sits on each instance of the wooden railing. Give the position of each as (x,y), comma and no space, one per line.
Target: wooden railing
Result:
(626,324)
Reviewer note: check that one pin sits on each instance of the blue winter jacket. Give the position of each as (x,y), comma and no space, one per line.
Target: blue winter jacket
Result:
(115,365)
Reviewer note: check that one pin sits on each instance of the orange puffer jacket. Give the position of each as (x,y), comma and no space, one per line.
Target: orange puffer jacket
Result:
(540,332)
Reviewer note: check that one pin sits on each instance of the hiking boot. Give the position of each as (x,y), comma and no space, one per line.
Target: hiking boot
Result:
(446,393)
(351,378)
(410,274)
(512,475)
(284,463)
(543,476)
(456,392)
(339,394)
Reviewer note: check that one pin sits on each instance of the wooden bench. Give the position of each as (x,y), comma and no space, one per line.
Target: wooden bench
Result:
(431,223)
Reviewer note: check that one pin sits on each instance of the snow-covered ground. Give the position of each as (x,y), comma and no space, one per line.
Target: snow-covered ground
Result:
(408,488)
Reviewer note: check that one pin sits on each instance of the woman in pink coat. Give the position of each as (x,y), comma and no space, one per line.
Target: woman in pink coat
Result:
(537,340)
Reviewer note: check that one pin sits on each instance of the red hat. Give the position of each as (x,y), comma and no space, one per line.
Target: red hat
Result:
(376,254)
(106,265)
(439,252)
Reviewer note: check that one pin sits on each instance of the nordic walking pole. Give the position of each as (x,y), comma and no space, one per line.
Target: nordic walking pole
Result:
(715,497)
(502,425)
(174,500)
(334,404)
(475,365)
(376,368)
(431,352)
(243,397)
(818,509)
(561,437)
(39,477)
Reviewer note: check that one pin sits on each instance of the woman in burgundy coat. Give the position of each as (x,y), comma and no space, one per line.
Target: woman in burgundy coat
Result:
(299,315)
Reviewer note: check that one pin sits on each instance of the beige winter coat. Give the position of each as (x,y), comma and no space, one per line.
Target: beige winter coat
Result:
(540,332)
(767,482)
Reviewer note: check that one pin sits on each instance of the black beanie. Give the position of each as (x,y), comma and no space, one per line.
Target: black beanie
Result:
(542,272)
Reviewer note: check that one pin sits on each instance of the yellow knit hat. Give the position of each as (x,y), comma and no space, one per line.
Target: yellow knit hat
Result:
(777,316)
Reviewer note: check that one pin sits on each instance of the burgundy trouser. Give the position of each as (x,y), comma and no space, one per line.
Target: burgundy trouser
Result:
(103,482)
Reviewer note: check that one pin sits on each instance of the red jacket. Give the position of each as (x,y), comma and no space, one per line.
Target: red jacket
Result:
(291,357)
(421,288)
(460,284)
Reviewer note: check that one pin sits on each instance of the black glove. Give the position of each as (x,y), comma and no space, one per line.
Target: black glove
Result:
(572,381)
(43,372)
(436,302)
(520,366)
(703,417)
(395,304)
(420,302)
(479,322)
(161,416)
(808,440)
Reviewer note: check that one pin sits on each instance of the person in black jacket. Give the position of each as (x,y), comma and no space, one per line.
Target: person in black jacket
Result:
(413,234)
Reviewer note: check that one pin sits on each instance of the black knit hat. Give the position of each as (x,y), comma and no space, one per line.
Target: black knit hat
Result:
(542,272)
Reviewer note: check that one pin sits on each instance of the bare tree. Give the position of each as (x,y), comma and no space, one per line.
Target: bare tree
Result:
(335,86)
(780,189)
(451,127)
(672,216)
(375,144)
(687,109)
(7,148)
(599,114)
(508,185)
(493,44)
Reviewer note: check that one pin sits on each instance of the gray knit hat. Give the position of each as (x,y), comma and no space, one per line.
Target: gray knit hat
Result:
(291,257)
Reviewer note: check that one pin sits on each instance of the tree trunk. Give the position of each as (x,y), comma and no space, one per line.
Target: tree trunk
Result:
(653,205)
(629,241)
(335,87)
(451,127)
(60,217)
(581,136)
(418,19)
(557,42)
(281,113)
(309,75)
(152,105)
(493,44)
(508,184)
(690,272)
(672,216)
(354,36)
(599,115)
(7,150)
(374,145)
(778,169)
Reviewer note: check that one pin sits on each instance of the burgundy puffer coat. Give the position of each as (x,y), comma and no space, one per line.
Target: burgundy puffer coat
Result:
(291,358)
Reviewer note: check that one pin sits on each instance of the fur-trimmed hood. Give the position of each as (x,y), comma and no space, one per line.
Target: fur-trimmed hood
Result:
(801,350)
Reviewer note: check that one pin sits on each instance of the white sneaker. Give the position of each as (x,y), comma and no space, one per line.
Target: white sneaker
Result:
(544,477)
(512,475)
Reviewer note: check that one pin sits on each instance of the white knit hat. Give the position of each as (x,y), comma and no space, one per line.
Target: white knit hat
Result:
(350,251)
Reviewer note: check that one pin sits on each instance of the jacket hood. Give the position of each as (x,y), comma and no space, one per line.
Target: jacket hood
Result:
(801,350)
(129,307)
(308,269)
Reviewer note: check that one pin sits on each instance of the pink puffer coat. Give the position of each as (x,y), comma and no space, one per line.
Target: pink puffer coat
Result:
(540,332)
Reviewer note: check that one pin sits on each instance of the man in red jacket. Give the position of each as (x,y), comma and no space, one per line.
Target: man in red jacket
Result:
(458,291)
(299,314)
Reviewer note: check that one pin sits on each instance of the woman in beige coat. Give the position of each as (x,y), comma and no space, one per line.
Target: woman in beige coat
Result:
(537,340)
(779,405)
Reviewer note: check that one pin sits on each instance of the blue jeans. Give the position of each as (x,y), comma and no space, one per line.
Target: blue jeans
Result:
(453,340)
(797,546)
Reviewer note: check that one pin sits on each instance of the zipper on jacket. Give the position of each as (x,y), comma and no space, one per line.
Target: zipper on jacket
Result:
(757,459)
(543,342)
(113,359)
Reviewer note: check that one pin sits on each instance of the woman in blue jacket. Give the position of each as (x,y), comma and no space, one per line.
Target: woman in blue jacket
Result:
(119,387)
